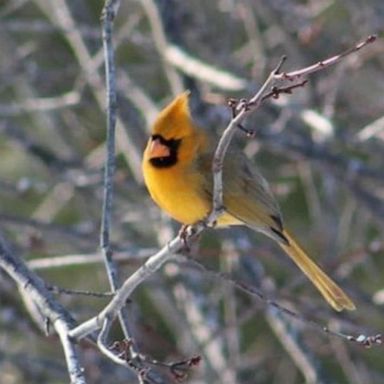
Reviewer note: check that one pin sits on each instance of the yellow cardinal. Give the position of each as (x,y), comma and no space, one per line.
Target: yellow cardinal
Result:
(177,171)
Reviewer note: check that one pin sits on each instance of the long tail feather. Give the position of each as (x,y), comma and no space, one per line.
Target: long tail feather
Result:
(328,288)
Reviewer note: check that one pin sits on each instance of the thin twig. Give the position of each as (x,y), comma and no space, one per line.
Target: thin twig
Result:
(109,13)
(102,342)
(320,65)
(65,291)
(120,353)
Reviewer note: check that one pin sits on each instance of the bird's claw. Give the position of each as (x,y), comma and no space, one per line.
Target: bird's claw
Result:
(185,232)
(188,232)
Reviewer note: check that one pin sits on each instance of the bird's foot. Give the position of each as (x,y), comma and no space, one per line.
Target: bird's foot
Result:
(189,233)
(185,233)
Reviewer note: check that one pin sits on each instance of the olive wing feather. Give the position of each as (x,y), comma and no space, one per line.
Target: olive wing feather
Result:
(247,195)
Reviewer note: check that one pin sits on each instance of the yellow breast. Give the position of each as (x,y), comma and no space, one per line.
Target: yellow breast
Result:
(179,192)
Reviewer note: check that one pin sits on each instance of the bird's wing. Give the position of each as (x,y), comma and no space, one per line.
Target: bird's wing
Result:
(247,196)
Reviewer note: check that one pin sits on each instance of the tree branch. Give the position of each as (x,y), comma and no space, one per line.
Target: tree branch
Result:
(34,288)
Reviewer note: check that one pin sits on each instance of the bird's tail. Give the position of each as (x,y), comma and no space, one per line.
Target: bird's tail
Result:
(328,288)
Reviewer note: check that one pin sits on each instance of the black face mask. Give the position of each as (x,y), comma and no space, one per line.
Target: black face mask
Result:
(171,159)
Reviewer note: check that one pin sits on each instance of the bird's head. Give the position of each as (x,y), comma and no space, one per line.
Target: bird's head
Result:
(174,137)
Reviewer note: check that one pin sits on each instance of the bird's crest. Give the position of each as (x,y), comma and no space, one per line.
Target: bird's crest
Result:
(174,121)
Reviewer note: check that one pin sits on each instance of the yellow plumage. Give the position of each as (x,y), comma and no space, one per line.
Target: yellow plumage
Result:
(177,171)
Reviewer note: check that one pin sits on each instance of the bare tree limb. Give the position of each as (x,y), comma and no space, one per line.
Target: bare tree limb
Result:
(36,291)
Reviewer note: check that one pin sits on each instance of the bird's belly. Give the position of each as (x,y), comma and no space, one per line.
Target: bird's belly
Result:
(180,194)
(184,206)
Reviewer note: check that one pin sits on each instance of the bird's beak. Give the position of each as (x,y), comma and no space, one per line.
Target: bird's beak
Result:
(157,149)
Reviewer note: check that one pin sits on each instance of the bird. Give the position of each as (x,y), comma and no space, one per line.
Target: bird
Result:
(177,170)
